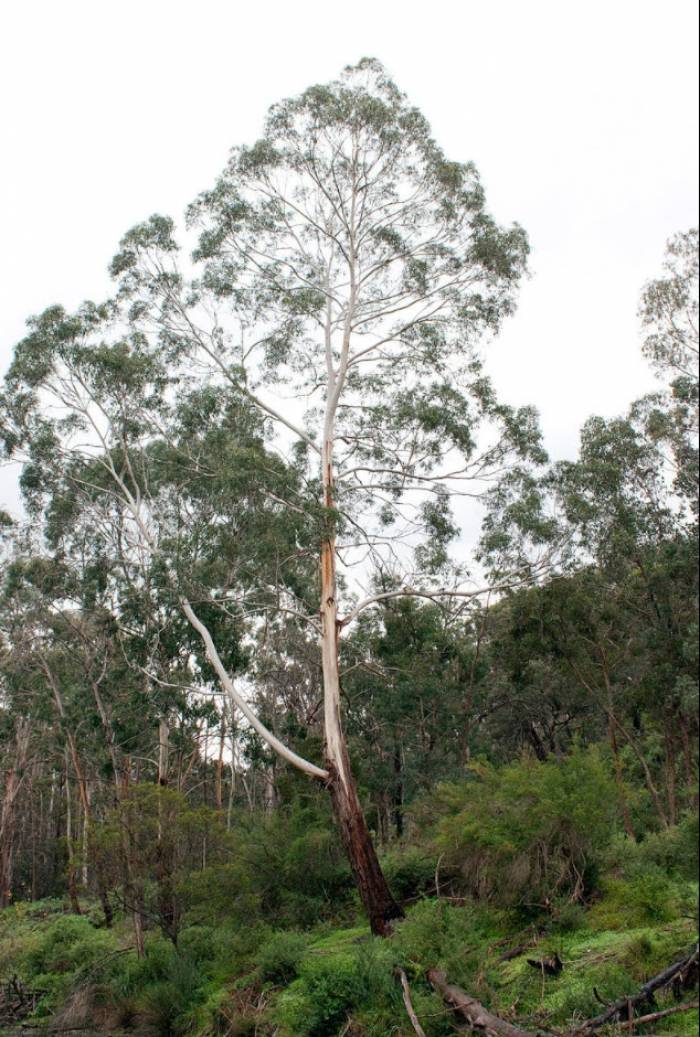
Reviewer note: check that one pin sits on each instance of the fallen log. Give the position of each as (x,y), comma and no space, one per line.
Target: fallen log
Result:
(472,1011)
(516,952)
(622,1008)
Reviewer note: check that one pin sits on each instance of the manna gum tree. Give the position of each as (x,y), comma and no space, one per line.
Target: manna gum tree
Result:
(345,274)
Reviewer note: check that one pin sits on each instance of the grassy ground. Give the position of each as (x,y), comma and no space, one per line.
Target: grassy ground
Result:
(256,981)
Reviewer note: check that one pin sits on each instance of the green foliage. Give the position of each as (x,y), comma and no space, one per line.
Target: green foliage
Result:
(164,1002)
(331,988)
(288,869)
(52,955)
(674,849)
(529,831)
(281,957)
(238,979)
(644,898)
(410,871)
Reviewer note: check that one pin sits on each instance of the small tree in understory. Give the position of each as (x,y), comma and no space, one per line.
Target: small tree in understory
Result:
(345,274)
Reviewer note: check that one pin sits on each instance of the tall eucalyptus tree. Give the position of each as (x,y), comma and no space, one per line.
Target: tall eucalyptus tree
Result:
(344,277)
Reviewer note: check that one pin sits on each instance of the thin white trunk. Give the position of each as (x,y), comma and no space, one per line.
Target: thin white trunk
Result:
(163,751)
(84,873)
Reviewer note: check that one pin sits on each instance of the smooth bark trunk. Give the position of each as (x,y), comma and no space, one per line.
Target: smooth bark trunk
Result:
(13,781)
(167,904)
(374,891)
(72,867)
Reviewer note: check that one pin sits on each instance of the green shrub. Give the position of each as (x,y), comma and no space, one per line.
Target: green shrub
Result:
(289,870)
(67,944)
(163,986)
(331,987)
(529,831)
(199,943)
(645,896)
(281,957)
(567,917)
(154,967)
(54,953)
(674,849)
(410,872)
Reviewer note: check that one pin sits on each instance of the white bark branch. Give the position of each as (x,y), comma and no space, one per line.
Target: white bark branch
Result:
(213,656)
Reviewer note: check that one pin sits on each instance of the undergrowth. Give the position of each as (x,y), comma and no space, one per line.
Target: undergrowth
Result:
(276,973)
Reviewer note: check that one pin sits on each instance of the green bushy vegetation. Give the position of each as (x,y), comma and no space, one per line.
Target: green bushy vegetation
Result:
(529,831)
(277,971)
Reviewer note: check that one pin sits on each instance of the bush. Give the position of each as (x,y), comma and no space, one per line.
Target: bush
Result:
(67,944)
(652,881)
(410,872)
(644,896)
(675,850)
(281,957)
(55,956)
(161,988)
(331,987)
(530,831)
(289,870)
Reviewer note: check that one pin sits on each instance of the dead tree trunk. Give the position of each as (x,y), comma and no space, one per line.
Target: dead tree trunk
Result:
(374,891)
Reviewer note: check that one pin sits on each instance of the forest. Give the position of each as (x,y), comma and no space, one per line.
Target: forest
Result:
(284,751)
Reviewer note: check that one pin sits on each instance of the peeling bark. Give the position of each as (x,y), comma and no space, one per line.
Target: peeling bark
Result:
(382,910)
(374,891)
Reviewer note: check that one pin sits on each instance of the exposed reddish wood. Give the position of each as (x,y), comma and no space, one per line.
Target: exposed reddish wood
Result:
(382,910)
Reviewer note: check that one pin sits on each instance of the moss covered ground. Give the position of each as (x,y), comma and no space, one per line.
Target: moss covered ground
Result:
(327,981)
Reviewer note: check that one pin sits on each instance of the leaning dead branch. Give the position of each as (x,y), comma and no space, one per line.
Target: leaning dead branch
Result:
(409,1004)
(620,1010)
(642,1020)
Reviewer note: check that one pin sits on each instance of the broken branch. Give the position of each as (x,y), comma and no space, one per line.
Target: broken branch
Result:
(626,1004)
(409,1004)
(653,1016)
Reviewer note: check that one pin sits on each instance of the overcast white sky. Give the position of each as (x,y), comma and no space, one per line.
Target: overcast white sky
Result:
(582,119)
